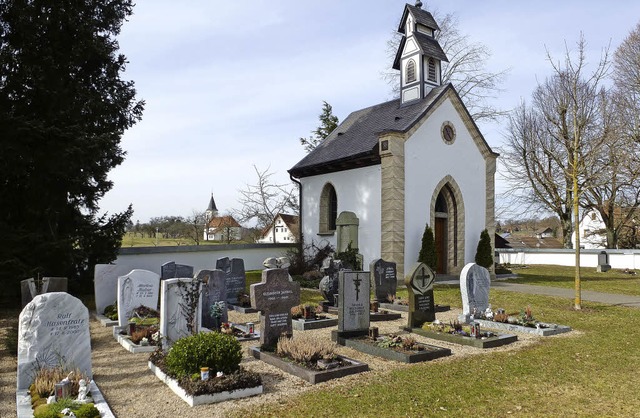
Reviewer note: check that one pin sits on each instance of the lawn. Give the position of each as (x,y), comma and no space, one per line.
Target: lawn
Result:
(134,240)
(613,281)
(589,373)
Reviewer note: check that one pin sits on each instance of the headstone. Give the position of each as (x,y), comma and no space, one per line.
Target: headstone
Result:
(31,288)
(235,277)
(419,284)
(171,270)
(475,283)
(353,304)
(214,291)
(105,284)
(139,287)
(603,262)
(53,331)
(384,280)
(347,231)
(180,309)
(329,284)
(274,297)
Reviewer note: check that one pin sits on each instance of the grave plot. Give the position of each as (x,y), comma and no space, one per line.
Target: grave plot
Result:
(464,335)
(354,331)
(213,356)
(54,351)
(309,358)
(307,317)
(474,286)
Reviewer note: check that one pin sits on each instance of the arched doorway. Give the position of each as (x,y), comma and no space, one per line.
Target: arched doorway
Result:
(447,213)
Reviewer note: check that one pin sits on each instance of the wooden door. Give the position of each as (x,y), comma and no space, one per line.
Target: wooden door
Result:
(441,245)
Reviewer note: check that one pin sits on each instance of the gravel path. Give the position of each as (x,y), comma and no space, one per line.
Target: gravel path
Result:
(133,391)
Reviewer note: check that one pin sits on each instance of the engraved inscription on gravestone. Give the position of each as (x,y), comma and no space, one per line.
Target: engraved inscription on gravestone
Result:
(419,284)
(475,283)
(353,306)
(139,287)
(235,277)
(214,292)
(384,280)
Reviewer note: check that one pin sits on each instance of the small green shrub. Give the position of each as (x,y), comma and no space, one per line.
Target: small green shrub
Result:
(87,410)
(427,253)
(484,254)
(220,352)
(45,411)
(111,311)
(350,258)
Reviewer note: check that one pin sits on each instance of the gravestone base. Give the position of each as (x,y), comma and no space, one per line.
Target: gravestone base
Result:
(380,316)
(405,308)
(491,342)
(340,337)
(603,268)
(242,309)
(328,308)
(429,352)
(311,376)
(307,324)
(23,402)
(549,329)
(106,322)
(134,348)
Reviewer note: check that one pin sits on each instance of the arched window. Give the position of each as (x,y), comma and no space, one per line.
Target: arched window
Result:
(328,209)
(411,72)
(432,70)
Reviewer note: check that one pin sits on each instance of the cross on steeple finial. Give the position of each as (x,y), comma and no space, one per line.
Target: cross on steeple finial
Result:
(418,4)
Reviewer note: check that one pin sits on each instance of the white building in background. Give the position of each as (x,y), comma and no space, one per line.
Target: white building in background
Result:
(220,228)
(388,170)
(592,231)
(285,229)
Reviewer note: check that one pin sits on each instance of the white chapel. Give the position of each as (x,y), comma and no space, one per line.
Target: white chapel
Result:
(390,169)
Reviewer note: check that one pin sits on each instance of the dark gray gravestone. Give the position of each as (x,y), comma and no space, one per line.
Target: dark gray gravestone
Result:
(235,276)
(53,331)
(31,288)
(171,270)
(475,283)
(419,283)
(603,262)
(329,286)
(384,280)
(214,291)
(274,297)
(353,305)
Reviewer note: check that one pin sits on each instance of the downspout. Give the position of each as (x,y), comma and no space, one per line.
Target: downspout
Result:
(300,206)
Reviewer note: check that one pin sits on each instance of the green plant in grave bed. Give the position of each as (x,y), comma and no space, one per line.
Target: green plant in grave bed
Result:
(111,311)
(220,352)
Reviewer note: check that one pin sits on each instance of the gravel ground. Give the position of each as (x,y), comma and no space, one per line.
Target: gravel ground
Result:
(133,391)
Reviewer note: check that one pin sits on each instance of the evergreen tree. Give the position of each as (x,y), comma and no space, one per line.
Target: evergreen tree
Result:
(63,110)
(328,122)
(428,250)
(484,256)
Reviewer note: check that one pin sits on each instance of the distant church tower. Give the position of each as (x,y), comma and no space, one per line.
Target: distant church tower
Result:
(419,55)
(212,210)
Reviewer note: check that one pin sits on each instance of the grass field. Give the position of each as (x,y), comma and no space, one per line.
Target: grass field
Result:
(613,281)
(593,373)
(132,240)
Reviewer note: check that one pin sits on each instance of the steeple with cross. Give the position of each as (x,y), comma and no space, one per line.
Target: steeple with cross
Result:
(419,57)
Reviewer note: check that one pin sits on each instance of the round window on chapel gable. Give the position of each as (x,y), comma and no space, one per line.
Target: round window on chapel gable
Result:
(448,133)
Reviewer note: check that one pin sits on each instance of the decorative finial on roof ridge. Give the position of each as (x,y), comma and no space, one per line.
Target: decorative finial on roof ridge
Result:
(418,4)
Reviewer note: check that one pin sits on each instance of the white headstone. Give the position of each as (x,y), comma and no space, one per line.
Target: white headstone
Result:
(177,319)
(139,287)
(105,284)
(475,283)
(53,331)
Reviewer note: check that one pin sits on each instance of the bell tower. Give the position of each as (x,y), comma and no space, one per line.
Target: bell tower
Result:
(419,54)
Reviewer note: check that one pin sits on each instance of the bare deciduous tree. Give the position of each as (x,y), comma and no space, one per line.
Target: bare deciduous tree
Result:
(466,69)
(552,144)
(264,200)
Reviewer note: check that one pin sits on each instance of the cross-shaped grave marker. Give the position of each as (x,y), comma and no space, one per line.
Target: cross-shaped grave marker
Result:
(274,297)
(419,283)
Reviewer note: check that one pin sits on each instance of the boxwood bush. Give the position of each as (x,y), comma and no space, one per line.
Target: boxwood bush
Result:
(220,352)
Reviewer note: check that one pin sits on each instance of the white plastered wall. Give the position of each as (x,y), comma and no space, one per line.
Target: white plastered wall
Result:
(428,159)
(357,191)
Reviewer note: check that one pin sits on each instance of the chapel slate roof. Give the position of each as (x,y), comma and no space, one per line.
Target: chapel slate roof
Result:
(355,141)
(422,17)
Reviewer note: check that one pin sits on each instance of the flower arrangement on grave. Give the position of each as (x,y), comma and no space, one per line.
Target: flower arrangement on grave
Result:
(220,353)
(307,311)
(307,350)
(46,403)
(145,316)
(145,335)
(395,341)
(525,318)
(396,300)
(111,311)
(455,328)
(244,300)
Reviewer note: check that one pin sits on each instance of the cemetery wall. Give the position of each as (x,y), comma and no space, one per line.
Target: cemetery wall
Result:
(200,256)
(618,259)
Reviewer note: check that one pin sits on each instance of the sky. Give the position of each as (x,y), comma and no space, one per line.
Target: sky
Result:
(230,85)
